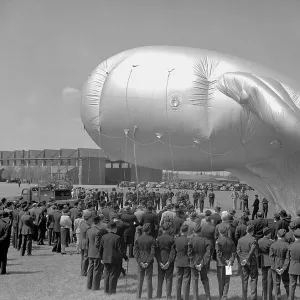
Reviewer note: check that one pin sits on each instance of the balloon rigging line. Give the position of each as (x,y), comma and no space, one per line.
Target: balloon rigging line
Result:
(89,166)
(135,164)
(125,159)
(167,118)
(99,164)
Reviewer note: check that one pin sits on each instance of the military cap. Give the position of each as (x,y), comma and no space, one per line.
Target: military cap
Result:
(127,208)
(289,217)
(266,231)
(232,211)
(293,225)
(79,214)
(230,217)
(193,215)
(281,232)
(184,228)
(208,212)
(65,210)
(223,229)
(112,225)
(283,214)
(197,228)
(166,226)
(87,215)
(247,212)
(297,233)
(96,219)
(146,227)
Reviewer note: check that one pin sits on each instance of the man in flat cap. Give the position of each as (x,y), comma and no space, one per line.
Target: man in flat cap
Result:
(144,252)
(264,245)
(224,223)
(294,267)
(111,255)
(226,253)
(165,256)
(191,223)
(199,254)
(280,263)
(85,225)
(183,264)
(248,255)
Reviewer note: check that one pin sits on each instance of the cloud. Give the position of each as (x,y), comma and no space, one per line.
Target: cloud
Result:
(70,95)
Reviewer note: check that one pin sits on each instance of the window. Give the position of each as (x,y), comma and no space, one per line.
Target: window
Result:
(124,165)
(116,165)
(108,166)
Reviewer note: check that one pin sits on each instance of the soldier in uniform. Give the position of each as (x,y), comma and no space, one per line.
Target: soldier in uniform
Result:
(199,254)
(94,236)
(144,252)
(26,230)
(165,256)
(248,255)
(111,255)
(264,245)
(196,198)
(280,263)
(225,254)
(183,264)
(120,197)
(201,200)
(294,267)
(85,225)
(15,222)
(265,204)
(157,199)
(211,197)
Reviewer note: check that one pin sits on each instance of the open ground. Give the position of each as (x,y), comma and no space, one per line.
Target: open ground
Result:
(49,276)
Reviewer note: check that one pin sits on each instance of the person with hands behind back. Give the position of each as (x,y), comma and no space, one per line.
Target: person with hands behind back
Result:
(165,256)
(280,263)
(226,253)
(248,255)
(144,252)
(199,254)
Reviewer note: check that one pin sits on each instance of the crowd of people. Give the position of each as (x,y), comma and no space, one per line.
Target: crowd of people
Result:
(147,226)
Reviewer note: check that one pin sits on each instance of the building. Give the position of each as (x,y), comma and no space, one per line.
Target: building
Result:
(83,166)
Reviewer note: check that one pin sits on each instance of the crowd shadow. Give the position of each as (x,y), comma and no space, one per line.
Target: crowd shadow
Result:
(23,272)
(44,254)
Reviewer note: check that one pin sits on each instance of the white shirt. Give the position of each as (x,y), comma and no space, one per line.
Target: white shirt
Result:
(65,221)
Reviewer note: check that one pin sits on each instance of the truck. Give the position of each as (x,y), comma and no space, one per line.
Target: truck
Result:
(45,193)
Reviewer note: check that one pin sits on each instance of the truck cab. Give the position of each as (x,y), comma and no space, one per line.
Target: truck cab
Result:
(37,194)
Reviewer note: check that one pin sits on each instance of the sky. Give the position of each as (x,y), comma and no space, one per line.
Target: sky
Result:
(48,49)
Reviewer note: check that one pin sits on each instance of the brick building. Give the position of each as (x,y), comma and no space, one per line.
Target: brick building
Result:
(83,166)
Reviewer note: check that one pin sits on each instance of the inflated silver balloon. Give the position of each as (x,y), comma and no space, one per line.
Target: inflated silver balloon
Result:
(190,109)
